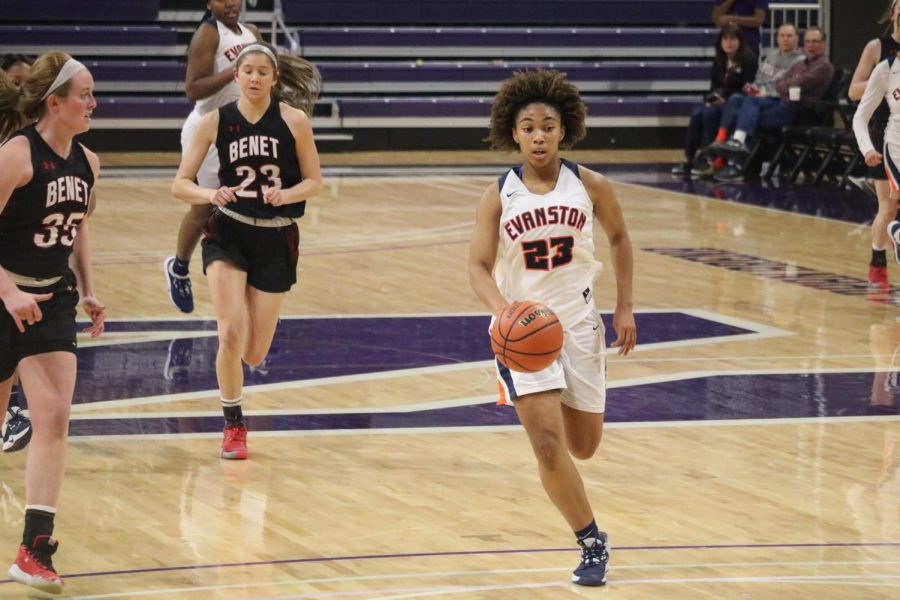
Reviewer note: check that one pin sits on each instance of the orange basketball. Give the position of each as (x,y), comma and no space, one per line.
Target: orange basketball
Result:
(527,336)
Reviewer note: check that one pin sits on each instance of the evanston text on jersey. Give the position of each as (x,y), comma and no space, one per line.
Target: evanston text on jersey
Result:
(549,215)
(253,145)
(68,189)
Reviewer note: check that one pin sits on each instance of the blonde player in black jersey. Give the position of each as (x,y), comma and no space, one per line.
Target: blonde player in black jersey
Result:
(46,195)
(533,241)
(269,167)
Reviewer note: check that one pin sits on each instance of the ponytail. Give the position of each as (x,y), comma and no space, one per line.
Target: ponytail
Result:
(10,117)
(299,82)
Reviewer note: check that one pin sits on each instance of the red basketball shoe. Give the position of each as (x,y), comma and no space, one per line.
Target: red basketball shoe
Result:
(878,276)
(34,567)
(234,446)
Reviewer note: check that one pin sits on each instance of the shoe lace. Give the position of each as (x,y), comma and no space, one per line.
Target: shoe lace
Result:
(235,433)
(183,287)
(594,554)
(42,557)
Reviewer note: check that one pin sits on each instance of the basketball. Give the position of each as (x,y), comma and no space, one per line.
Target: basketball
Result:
(527,336)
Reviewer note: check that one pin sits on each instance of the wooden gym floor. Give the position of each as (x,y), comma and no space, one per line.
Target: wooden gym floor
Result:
(752,450)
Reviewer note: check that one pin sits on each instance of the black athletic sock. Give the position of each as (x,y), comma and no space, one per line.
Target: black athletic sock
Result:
(180,267)
(879,258)
(233,415)
(587,535)
(37,522)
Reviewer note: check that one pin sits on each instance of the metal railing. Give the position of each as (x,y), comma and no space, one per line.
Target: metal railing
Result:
(279,26)
(801,14)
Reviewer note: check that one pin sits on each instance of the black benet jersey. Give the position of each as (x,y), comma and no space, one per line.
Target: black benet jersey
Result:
(258,156)
(38,223)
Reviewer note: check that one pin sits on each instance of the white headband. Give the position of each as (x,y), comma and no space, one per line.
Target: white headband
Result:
(257,47)
(68,70)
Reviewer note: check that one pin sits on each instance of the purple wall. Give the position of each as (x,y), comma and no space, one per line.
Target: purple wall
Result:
(81,11)
(481,12)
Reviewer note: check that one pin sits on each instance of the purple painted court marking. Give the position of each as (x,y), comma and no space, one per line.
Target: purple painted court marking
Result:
(325,559)
(773,269)
(315,348)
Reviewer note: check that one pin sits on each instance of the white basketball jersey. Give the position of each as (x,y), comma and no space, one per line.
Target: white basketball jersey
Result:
(546,249)
(230,44)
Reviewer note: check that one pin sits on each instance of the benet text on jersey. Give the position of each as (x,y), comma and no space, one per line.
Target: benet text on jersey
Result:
(253,145)
(68,188)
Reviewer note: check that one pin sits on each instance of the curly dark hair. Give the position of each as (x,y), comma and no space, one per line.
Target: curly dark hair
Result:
(547,86)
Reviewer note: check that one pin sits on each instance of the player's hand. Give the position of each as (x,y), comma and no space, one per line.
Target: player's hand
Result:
(873,158)
(273,196)
(97,314)
(225,194)
(626,331)
(23,307)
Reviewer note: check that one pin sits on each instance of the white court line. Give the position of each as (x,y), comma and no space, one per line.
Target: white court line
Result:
(140,337)
(285,385)
(485,429)
(482,572)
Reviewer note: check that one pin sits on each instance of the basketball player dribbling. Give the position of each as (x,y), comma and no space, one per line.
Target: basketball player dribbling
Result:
(209,82)
(539,217)
(46,195)
(269,167)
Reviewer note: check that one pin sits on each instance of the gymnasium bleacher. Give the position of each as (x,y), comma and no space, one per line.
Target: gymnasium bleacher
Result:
(398,74)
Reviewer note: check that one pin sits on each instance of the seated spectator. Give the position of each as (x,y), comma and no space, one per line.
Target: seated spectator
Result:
(775,62)
(807,80)
(734,67)
(749,15)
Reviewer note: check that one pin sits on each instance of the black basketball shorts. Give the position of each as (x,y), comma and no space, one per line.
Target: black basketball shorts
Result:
(269,255)
(876,133)
(55,332)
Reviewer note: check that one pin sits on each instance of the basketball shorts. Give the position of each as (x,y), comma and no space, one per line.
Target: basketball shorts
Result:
(876,134)
(891,166)
(55,332)
(208,175)
(268,255)
(580,370)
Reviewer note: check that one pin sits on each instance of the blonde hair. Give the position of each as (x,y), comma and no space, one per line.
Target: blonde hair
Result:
(886,16)
(299,82)
(10,117)
(18,107)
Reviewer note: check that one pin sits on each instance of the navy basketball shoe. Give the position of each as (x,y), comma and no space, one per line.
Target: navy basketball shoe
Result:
(16,430)
(894,233)
(594,561)
(179,287)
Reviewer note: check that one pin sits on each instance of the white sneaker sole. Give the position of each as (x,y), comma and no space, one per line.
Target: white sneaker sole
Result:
(17,574)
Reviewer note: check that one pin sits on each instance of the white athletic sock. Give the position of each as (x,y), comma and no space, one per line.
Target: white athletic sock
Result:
(740,136)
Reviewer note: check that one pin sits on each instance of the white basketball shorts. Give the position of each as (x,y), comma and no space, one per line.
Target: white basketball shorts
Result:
(580,370)
(208,175)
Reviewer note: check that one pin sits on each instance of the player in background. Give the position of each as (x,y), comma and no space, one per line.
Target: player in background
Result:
(209,82)
(876,51)
(46,196)
(269,167)
(16,432)
(539,217)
